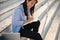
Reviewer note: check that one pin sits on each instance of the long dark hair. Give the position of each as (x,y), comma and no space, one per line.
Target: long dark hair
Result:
(25,8)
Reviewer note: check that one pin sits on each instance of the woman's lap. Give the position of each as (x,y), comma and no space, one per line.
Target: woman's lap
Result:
(32,25)
(26,32)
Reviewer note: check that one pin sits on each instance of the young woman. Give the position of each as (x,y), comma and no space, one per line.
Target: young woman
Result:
(23,14)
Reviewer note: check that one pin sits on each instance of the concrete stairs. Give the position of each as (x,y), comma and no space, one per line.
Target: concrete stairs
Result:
(46,14)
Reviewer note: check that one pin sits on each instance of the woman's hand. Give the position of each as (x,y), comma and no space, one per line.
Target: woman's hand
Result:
(29,19)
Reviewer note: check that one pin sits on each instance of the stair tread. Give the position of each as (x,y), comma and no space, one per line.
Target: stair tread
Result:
(51,12)
(53,30)
(50,15)
(8,7)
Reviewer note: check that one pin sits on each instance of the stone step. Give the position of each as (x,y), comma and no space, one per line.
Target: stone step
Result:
(51,15)
(51,34)
(5,23)
(11,36)
(9,5)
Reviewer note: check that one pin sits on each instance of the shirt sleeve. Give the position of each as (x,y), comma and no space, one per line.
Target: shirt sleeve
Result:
(17,17)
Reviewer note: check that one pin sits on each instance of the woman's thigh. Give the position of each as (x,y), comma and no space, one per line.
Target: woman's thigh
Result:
(32,25)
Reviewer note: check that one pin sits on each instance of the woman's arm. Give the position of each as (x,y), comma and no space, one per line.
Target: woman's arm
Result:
(29,19)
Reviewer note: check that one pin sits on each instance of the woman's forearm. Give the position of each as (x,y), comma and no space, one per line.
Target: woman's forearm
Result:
(26,21)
